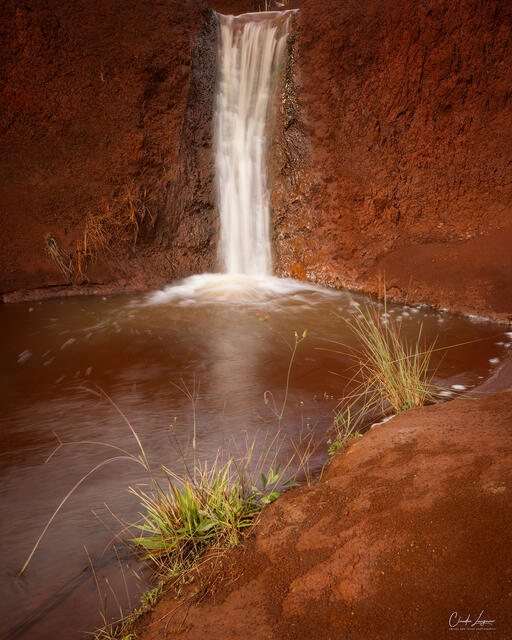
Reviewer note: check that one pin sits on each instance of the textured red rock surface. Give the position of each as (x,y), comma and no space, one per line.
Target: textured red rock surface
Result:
(93,98)
(106,116)
(407,107)
(410,524)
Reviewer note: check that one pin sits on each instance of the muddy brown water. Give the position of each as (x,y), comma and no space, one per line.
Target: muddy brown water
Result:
(204,332)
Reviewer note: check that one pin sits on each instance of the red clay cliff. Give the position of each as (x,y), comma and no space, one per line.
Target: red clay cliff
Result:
(402,173)
(407,108)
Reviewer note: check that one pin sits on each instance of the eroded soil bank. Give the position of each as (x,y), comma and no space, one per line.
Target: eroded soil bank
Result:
(410,524)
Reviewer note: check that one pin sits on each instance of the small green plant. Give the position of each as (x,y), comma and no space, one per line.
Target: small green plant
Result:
(346,426)
(150,598)
(350,418)
(211,509)
(122,628)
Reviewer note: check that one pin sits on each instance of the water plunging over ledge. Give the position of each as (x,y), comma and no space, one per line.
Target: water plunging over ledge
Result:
(251,51)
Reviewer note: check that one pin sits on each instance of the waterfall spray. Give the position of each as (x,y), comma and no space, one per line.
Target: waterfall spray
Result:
(250,56)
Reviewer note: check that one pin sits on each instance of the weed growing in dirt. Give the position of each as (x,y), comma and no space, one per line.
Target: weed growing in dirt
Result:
(347,424)
(121,629)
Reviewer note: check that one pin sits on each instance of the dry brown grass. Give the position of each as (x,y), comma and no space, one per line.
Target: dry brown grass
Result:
(136,210)
(111,227)
(53,251)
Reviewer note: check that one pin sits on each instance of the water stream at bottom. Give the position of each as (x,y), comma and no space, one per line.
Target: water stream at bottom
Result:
(204,333)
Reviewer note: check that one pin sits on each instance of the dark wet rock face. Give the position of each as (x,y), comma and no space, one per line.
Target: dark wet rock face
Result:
(290,172)
(188,228)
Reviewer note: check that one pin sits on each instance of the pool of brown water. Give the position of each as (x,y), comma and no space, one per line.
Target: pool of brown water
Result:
(205,333)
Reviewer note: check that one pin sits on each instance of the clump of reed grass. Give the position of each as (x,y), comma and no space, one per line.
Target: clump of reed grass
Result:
(393,374)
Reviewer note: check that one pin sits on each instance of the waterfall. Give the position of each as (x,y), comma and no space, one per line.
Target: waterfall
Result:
(251,51)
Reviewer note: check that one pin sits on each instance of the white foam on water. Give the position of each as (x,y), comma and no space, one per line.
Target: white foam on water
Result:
(68,343)
(386,419)
(459,387)
(478,319)
(24,356)
(208,288)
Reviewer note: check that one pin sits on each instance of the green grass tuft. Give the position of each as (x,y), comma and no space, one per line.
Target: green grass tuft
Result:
(394,372)
(210,509)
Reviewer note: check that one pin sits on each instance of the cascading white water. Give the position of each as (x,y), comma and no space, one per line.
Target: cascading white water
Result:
(250,56)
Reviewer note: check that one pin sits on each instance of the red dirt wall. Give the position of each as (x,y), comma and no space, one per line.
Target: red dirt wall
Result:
(92,101)
(408,110)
